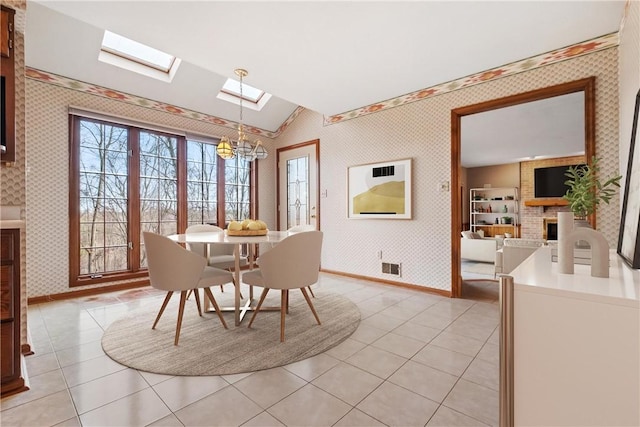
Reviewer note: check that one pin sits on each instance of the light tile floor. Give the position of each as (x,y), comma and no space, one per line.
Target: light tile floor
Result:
(416,359)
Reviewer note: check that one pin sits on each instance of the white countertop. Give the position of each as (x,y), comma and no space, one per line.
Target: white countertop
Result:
(538,274)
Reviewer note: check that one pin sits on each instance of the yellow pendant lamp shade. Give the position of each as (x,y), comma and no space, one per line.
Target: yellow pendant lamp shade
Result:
(225,150)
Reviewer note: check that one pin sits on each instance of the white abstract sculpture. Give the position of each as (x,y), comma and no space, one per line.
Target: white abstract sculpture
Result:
(568,236)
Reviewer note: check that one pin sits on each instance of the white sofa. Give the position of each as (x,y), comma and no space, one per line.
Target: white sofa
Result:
(482,250)
(513,252)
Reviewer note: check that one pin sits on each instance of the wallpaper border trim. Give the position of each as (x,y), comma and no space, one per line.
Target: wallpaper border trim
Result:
(58,80)
(562,54)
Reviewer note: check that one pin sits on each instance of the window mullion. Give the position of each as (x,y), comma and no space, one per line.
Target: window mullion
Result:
(222,207)
(134,198)
(182,184)
(253,189)
(74,201)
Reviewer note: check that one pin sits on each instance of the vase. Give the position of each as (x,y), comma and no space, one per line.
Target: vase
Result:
(582,222)
(565,251)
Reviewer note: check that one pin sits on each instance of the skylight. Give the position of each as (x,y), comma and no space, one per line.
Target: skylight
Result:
(249,93)
(252,98)
(137,52)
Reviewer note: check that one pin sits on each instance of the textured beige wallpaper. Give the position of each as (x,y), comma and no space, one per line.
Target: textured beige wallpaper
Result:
(48,175)
(422,131)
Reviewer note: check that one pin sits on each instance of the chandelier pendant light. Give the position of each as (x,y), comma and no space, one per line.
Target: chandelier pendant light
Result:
(243,148)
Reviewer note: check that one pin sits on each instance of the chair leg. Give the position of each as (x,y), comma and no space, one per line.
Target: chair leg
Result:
(257,309)
(197,294)
(313,310)
(311,290)
(286,292)
(284,306)
(164,305)
(189,293)
(183,299)
(207,291)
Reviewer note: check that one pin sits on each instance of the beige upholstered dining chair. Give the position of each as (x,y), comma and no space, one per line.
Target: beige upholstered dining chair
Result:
(301,227)
(293,264)
(220,256)
(173,269)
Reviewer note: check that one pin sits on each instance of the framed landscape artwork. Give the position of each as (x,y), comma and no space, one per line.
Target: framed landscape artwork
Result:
(380,190)
(629,238)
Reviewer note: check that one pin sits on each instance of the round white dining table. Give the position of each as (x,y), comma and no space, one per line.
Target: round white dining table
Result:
(222,238)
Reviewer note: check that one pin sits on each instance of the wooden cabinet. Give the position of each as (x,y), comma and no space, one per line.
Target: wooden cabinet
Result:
(495,211)
(7,86)
(10,359)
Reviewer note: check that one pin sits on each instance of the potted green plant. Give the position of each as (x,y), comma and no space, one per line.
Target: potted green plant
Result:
(586,191)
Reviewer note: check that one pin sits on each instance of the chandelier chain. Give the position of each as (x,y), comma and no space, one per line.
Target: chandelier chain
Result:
(243,148)
(241,96)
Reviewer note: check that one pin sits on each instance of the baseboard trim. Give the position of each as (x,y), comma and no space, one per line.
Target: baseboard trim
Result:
(87,292)
(411,286)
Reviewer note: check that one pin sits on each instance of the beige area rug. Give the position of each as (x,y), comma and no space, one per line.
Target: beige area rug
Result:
(206,348)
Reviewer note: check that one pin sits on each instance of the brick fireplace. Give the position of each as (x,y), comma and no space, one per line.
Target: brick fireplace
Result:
(533,219)
(550,228)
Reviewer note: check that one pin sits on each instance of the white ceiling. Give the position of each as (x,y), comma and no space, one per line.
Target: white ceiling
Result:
(552,127)
(329,57)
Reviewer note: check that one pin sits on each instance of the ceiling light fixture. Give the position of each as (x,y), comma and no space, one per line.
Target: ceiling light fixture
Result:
(243,147)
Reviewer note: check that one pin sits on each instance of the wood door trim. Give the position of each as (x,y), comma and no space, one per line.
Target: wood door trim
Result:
(315,142)
(586,85)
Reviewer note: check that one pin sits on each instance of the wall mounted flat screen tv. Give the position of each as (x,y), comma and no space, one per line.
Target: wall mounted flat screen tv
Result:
(549,182)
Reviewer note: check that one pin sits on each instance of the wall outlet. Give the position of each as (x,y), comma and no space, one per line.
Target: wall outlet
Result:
(379,253)
(444,186)
(323,193)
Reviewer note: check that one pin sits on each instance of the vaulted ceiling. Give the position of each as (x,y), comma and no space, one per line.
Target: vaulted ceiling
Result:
(329,57)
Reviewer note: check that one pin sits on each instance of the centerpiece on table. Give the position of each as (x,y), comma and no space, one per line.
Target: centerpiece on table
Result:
(247,227)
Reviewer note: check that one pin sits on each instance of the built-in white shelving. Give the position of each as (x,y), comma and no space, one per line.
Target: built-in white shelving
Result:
(494,210)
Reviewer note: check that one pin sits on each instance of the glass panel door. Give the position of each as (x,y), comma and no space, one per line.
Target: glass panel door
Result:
(298,192)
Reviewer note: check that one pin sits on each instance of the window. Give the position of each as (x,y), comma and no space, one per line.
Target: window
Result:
(134,56)
(249,93)
(103,193)
(237,189)
(202,187)
(297,197)
(137,52)
(252,98)
(126,179)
